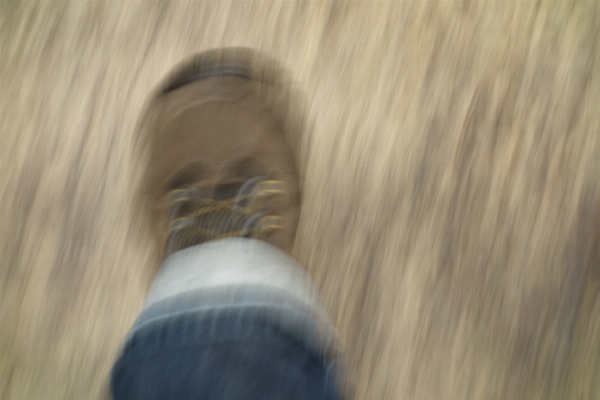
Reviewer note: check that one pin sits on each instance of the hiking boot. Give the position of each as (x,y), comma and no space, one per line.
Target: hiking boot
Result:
(219,164)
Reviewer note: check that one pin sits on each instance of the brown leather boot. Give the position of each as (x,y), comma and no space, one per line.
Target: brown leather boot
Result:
(219,165)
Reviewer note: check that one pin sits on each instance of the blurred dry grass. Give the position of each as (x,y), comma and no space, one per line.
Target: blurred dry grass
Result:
(452,206)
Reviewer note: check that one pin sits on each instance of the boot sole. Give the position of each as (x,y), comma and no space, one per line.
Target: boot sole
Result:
(232,61)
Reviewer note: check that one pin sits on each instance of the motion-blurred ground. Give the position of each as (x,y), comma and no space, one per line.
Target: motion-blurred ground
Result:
(451,201)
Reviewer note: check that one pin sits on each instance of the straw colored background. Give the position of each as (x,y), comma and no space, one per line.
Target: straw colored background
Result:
(451,204)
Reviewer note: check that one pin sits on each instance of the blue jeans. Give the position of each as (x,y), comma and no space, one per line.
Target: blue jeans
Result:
(229,319)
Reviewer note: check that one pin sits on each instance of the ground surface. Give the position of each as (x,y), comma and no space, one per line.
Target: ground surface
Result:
(451,204)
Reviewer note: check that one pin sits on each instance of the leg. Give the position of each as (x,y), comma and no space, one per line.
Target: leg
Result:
(234,318)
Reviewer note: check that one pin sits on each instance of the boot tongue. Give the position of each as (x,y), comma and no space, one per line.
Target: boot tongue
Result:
(227,190)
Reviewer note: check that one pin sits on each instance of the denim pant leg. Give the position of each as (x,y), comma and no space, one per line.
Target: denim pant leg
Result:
(229,319)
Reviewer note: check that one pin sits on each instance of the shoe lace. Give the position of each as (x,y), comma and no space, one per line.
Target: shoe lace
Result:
(204,211)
